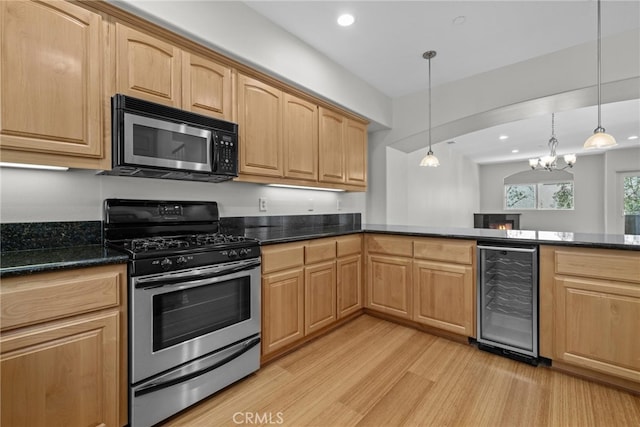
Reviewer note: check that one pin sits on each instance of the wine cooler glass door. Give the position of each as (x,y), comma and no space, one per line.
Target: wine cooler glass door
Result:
(508,298)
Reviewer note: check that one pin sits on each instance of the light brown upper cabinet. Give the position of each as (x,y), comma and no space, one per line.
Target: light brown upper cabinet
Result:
(206,87)
(51,87)
(155,70)
(147,67)
(331,146)
(356,153)
(260,127)
(342,149)
(300,139)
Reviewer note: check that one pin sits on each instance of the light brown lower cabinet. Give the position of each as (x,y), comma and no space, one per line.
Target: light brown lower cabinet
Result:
(320,296)
(63,348)
(282,308)
(349,285)
(444,297)
(430,281)
(307,287)
(389,285)
(590,317)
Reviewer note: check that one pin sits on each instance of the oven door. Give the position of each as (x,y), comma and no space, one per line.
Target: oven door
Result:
(162,143)
(179,316)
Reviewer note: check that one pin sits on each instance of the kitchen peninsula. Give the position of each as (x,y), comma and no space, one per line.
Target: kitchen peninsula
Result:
(322,277)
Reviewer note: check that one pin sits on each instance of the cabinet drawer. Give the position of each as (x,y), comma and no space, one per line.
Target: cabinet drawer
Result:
(46,296)
(320,250)
(606,264)
(390,245)
(349,245)
(456,251)
(282,256)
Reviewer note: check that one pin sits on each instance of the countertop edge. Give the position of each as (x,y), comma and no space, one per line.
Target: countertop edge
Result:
(520,241)
(41,267)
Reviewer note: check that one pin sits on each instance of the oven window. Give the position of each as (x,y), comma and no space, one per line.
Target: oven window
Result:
(165,144)
(182,315)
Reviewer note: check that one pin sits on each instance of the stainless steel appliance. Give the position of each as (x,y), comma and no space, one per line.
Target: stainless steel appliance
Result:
(156,141)
(194,303)
(508,300)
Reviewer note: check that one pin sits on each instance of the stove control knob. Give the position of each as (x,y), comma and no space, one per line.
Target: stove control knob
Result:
(166,263)
(233,254)
(244,253)
(181,260)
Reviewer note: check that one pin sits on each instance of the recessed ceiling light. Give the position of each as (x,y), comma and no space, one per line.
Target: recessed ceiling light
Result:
(632,137)
(459,20)
(345,20)
(503,137)
(514,151)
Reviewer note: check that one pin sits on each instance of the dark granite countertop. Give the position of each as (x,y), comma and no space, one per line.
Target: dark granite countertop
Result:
(19,262)
(593,240)
(270,235)
(16,263)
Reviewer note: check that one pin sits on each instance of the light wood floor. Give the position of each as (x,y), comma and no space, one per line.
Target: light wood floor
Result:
(371,372)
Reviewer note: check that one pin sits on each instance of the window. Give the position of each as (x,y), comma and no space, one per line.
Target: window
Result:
(554,196)
(631,203)
(520,196)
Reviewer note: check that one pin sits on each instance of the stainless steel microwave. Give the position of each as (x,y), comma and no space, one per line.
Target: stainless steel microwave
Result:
(156,141)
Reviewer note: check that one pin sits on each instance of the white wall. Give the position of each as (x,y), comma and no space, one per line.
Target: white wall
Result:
(440,197)
(40,196)
(594,187)
(397,201)
(445,196)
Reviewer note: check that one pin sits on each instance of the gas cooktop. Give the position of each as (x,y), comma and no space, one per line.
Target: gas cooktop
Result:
(162,236)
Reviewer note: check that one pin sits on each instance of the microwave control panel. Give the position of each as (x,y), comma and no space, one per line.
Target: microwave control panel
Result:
(226,154)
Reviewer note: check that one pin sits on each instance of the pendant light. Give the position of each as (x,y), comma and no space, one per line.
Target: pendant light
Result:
(599,139)
(430,159)
(550,162)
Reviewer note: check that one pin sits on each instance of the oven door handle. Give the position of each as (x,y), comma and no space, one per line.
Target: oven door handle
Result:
(177,376)
(197,275)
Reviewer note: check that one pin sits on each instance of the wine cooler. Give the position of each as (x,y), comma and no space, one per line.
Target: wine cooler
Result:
(508,300)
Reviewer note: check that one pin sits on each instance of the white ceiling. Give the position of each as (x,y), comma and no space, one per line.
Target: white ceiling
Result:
(385,44)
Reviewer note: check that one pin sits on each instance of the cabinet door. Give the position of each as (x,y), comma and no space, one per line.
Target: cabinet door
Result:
(389,285)
(331,146)
(300,139)
(349,285)
(596,325)
(356,153)
(51,80)
(61,374)
(444,296)
(206,87)
(260,127)
(282,309)
(147,68)
(320,296)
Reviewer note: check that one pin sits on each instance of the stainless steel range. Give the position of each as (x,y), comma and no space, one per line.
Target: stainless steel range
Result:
(194,303)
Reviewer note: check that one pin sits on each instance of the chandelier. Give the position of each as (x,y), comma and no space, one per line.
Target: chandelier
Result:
(550,162)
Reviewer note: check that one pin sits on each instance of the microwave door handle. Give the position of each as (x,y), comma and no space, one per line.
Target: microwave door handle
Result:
(216,151)
(171,380)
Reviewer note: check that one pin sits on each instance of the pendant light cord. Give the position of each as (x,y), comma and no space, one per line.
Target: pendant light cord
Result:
(429,104)
(599,69)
